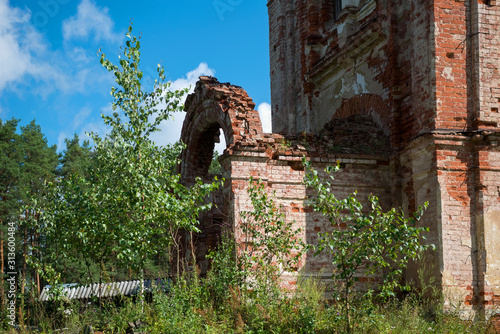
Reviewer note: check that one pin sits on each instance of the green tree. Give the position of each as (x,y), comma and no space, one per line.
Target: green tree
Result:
(131,202)
(39,165)
(364,241)
(75,159)
(271,245)
(11,154)
(39,162)
(26,163)
(215,167)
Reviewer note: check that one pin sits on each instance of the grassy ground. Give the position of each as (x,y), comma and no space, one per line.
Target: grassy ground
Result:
(199,306)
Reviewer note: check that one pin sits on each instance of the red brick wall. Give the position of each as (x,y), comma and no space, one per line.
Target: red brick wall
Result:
(382,49)
(282,173)
(488,39)
(427,73)
(453,51)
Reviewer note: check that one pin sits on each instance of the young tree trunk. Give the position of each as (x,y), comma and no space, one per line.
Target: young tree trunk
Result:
(142,291)
(348,318)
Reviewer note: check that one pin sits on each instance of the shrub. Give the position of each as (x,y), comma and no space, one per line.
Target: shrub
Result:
(370,241)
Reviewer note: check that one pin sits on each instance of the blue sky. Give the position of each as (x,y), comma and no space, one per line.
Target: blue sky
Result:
(50,71)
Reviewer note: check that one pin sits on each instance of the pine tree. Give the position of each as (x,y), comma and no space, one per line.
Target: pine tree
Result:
(11,154)
(39,163)
(75,159)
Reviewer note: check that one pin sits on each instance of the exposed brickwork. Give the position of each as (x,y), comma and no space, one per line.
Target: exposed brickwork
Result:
(422,77)
(367,104)
(277,160)
(427,72)
(355,134)
(281,170)
(214,106)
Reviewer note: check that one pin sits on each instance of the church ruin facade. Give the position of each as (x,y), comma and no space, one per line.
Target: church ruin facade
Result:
(404,94)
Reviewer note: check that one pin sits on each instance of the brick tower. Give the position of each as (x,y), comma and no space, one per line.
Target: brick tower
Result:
(404,94)
(427,73)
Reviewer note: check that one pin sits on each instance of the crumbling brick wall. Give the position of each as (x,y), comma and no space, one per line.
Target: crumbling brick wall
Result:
(280,168)
(421,76)
(277,161)
(427,72)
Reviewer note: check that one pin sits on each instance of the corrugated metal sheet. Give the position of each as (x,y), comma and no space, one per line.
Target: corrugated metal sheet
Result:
(125,288)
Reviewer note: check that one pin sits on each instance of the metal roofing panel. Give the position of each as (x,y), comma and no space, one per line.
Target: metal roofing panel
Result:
(85,291)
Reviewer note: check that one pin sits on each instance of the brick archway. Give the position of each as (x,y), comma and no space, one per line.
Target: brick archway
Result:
(214,106)
(367,104)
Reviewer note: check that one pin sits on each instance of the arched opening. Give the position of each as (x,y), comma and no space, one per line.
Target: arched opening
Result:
(212,108)
(215,112)
(202,152)
(197,158)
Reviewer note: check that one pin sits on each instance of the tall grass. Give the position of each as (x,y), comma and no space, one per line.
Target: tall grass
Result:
(190,307)
(218,303)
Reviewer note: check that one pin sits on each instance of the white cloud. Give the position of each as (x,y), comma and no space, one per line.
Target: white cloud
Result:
(90,20)
(80,55)
(25,55)
(82,115)
(191,78)
(60,141)
(264,110)
(171,129)
(17,41)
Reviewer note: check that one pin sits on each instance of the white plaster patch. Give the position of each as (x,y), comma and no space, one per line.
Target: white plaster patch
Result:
(360,86)
(447,73)
(340,28)
(491,234)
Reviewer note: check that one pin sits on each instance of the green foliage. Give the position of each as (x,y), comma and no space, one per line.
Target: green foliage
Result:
(185,310)
(40,160)
(217,303)
(369,242)
(11,155)
(129,201)
(215,168)
(271,244)
(26,162)
(76,158)
(225,274)
(190,307)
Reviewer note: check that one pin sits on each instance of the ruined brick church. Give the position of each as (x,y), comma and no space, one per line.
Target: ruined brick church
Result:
(404,93)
